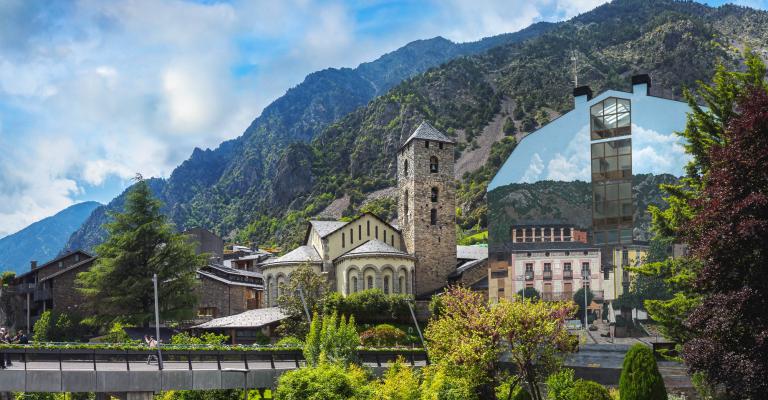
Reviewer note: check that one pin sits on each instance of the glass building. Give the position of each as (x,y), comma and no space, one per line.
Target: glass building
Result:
(596,168)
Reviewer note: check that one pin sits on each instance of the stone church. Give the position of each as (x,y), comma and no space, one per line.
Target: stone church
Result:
(416,256)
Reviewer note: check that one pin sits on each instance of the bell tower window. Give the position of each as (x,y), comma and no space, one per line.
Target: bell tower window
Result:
(433,165)
(433,217)
(405,167)
(434,196)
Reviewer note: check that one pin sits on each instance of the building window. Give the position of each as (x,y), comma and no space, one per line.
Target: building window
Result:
(585,270)
(376,231)
(529,271)
(567,272)
(392,240)
(370,282)
(440,145)
(610,118)
(405,167)
(547,271)
(368,228)
(433,217)
(385,236)
(343,240)
(61,264)
(426,143)
(435,192)
(354,284)
(501,273)
(405,205)
(359,232)
(351,236)
(433,165)
(402,284)
(386,285)
(206,311)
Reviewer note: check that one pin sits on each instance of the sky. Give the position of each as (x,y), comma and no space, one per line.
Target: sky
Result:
(92,92)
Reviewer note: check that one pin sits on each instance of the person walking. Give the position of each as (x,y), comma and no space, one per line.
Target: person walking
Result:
(152,343)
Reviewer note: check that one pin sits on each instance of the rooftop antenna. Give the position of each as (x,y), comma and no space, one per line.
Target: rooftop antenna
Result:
(575,67)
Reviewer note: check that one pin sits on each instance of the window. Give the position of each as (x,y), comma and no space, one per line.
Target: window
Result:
(433,217)
(585,270)
(376,232)
(343,240)
(610,118)
(405,204)
(386,285)
(433,165)
(354,284)
(405,167)
(368,227)
(385,236)
(206,311)
(426,143)
(529,271)
(392,240)
(370,282)
(401,284)
(359,232)
(435,192)
(440,145)
(351,236)
(501,273)
(61,264)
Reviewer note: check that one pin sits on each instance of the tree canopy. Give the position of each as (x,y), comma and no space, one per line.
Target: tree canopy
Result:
(141,242)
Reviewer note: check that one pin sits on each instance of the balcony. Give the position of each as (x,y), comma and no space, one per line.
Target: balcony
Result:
(547,275)
(41,295)
(252,304)
(528,275)
(568,275)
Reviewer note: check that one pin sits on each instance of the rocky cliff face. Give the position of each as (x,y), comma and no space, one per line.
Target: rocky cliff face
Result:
(354,138)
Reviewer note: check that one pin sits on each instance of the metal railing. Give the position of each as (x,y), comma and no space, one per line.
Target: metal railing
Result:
(180,359)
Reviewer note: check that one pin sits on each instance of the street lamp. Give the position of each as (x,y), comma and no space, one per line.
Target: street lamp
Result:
(157,324)
(585,277)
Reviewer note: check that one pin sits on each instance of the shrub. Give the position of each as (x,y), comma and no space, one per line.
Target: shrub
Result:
(559,383)
(438,384)
(518,392)
(117,334)
(43,329)
(588,390)
(383,335)
(331,339)
(208,338)
(368,303)
(326,381)
(290,341)
(400,382)
(640,377)
(529,293)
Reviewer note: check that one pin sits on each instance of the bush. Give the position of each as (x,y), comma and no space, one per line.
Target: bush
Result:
(640,377)
(326,381)
(117,334)
(518,392)
(290,341)
(383,335)
(367,304)
(588,390)
(578,298)
(438,384)
(529,293)
(208,338)
(559,383)
(400,382)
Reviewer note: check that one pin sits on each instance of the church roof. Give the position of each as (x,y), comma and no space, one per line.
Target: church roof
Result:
(249,319)
(375,248)
(300,254)
(425,131)
(325,228)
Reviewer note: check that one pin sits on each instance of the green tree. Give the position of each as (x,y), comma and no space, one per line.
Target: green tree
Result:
(578,298)
(441,383)
(588,390)
(44,327)
(559,383)
(7,277)
(400,382)
(509,127)
(141,243)
(331,339)
(529,293)
(314,287)
(640,378)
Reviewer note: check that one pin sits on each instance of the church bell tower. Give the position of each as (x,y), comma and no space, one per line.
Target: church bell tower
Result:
(427,206)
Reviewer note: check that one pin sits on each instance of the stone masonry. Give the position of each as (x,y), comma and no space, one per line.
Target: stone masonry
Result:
(434,245)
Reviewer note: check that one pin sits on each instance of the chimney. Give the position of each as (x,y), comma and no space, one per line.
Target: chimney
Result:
(581,95)
(32,265)
(641,84)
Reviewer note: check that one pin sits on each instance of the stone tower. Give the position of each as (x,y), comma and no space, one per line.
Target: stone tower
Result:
(427,206)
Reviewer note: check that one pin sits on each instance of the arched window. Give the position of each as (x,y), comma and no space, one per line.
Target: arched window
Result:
(435,192)
(405,167)
(370,282)
(343,240)
(386,285)
(433,217)
(354,284)
(401,284)
(433,165)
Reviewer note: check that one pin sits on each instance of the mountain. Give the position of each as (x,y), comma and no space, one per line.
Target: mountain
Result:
(44,239)
(294,162)
(200,192)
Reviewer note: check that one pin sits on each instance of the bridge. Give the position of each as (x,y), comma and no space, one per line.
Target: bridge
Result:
(127,373)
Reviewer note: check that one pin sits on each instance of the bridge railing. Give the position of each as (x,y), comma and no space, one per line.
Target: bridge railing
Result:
(181,359)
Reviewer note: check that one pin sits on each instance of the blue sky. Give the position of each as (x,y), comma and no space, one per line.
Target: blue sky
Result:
(92,92)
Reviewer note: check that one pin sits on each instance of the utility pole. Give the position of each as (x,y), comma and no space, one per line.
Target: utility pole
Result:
(157,324)
(585,276)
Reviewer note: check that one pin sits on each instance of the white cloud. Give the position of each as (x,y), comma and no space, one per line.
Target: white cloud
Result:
(656,153)
(535,168)
(574,164)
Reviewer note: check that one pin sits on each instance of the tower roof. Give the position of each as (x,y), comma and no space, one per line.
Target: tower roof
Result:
(426,131)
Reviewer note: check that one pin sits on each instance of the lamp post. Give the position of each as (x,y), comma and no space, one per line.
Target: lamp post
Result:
(585,277)
(157,324)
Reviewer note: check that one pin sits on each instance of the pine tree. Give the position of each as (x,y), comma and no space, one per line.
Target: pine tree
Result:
(141,243)
(640,378)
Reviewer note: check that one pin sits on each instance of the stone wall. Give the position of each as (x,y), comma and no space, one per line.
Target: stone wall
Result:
(226,299)
(66,298)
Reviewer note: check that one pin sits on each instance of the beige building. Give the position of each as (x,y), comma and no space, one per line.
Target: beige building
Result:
(418,258)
